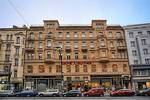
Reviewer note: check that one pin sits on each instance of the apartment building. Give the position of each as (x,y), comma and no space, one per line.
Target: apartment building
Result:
(94,55)
(12,43)
(138,44)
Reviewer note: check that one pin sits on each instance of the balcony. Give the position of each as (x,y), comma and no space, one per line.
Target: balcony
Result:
(32,49)
(103,59)
(49,60)
(30,38)
(4,73)
(68,48)
(121,47)
(49,37)
(84,48)
(16,79)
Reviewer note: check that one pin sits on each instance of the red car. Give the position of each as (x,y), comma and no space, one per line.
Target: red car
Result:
(94,92)
(122,92)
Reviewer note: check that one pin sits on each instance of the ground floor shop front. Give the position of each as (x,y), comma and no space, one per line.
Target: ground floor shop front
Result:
(106,82)
(140,83)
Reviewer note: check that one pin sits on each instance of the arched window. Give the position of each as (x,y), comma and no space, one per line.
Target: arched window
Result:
(18,40)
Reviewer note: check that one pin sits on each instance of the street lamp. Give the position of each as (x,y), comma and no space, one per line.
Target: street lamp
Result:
(59,49)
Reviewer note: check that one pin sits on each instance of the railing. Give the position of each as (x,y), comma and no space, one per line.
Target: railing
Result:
(103,59)
(29,48)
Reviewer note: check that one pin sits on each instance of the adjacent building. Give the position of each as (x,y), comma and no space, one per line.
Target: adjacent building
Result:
(138,44)
(12,44)
(93,55)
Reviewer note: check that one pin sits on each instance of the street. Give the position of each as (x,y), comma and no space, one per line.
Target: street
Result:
(77,98)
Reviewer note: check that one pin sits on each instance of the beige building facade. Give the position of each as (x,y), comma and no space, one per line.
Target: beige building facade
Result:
(12,57)
(93,55)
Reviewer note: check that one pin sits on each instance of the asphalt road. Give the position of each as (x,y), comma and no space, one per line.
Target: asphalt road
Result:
(77,98)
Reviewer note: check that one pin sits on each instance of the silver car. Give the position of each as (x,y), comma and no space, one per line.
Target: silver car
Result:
(50,92)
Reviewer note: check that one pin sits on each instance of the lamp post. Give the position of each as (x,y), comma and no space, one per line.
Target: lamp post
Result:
(59,49)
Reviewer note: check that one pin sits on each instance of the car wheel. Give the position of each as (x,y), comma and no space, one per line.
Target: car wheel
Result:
(28,95)
(41,95)
(78,95)
(54,95)
(86,95)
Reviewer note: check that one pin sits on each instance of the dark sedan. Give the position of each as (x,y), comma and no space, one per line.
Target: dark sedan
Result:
(27,93)
(145,92)
(73,93)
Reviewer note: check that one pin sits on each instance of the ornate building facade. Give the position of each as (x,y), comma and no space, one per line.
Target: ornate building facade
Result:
(12,44)
(95,55)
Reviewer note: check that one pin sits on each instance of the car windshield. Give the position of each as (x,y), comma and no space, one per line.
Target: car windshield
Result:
(74,91)
(54,90)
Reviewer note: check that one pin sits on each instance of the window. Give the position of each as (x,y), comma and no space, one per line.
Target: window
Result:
(40,55)
(58,68)
(77,68)
(60,44)
(7,38)
(67,34)
(49,43)
(145,51)
(59,34)
(8,46)
(7,57)
(147,61)
(143,41)
(75,34)
(76,55)
(91,44)
(148,33)
(40,45)
(118,35)
(68,67)
(104,68)
(91,34)
(77,78)
(102,43)
(18,40)
(32,56)
(41,69)
(48,55)
(68,56)
(50,69)
(85,69)
(113,54)
(16,62)
(103,54)
(75,44)
(40,35)
(134,52)
(93,69)
(11,37)
(124,67)
(68,78)
(110,34)
(83,44)
(111,44)
(101,26)
(114,68)
(131,34)
(84,56)
(139,33)
(15,73)
(68,44)
(29,69)
(132,43)
(17,50)
(135,62)
(83,35)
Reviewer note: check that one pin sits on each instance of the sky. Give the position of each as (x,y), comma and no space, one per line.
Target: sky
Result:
(121,12)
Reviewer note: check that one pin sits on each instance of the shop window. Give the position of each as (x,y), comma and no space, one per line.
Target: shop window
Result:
(77,78)
(41,69)
(68,78)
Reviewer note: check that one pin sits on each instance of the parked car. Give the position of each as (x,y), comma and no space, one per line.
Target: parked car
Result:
(7,93)
(50,92)
(73,93)
(27,93)
(122,92)
(144,92)
(94,92)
